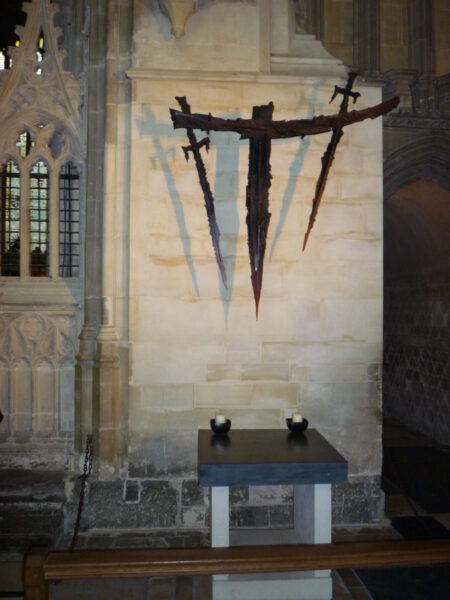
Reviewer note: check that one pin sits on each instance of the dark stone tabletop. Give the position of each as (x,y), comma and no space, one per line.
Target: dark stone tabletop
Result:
(267,457)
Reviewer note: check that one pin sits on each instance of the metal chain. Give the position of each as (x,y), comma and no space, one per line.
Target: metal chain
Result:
(87,470)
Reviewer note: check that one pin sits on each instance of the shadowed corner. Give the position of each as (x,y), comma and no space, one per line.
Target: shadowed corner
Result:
(226,194)
(149,126)
(294,171)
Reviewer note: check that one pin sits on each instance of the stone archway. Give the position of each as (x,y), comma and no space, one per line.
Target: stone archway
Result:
(426,158)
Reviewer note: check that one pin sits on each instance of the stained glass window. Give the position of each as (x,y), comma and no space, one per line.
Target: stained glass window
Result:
(10,219)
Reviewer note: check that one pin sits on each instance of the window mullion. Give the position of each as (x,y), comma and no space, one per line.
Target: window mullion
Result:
(54,224)
(25,224)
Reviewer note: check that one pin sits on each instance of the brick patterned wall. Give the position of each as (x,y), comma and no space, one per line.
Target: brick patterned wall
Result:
(416,373)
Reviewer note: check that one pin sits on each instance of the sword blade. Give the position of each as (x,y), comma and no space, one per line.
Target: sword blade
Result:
(207,193)
(327,160)
(257,201)
(328,157)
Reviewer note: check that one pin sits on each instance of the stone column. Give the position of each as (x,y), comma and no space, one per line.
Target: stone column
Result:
(111,362)
(420,40)
(94,221)
(421,54)
(367,37)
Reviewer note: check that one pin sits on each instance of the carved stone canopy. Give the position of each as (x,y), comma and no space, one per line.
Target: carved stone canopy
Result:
(37,92)
(178,12)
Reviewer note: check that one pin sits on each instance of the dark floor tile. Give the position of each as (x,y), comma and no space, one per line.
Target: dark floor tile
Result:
(106,589)
(397,435)
(423,583)
(183,588)
(420,528)
(422,473)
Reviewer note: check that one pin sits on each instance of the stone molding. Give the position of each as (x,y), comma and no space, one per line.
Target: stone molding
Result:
(424,97)
(36,338)
(36,373)
(299,53)
(412,121)
(136,73)
(427,157)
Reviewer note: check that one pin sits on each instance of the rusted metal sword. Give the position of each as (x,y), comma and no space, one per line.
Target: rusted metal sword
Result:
(257,202)
(328,157)
(194,147)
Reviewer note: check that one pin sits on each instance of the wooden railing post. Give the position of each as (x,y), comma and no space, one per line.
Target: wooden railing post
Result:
(34,584)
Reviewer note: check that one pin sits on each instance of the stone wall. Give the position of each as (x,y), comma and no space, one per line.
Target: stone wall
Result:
(416,371)
(175,511)
(416,362)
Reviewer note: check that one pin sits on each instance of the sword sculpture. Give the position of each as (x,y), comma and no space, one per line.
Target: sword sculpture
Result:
(257,202)
(260,130)
(194,147)
(328,157)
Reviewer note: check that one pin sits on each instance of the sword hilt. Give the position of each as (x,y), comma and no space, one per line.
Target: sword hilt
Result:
(345,92)
(197,146)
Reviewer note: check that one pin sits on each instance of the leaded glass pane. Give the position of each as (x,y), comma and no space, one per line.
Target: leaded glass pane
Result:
(10,219)
(39,195)
(69,221)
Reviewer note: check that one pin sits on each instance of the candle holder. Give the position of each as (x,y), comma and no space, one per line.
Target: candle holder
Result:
(220,428)
(297,426)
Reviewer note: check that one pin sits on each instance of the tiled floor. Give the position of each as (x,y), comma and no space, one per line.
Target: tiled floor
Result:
(416,482)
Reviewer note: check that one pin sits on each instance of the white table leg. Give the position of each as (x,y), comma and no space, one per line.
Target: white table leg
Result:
(220,527)
(312,513)
(220,517)
(312,517)
(312,520)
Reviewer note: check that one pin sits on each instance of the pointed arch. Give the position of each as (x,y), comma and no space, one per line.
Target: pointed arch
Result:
(425,158)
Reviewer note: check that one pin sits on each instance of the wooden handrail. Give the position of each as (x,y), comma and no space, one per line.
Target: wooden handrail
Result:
(42,566)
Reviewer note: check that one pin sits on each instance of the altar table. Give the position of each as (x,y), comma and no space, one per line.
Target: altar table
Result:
(271,457)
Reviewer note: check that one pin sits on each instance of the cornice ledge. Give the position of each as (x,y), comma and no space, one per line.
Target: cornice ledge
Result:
(54,295)
(413,121)
(137,73)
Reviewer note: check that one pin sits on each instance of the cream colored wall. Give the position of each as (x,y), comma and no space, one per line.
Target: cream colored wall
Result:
(338,30)
(220,37)
(196,347)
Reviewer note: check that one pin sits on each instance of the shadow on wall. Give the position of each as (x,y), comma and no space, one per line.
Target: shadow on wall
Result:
(226,196)
(294,171)
(149,126)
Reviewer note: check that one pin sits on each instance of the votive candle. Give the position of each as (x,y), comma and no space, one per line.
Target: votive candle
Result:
(220,418)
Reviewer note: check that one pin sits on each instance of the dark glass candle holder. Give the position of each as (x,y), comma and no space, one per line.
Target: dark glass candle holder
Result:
(220,428)
(297,426)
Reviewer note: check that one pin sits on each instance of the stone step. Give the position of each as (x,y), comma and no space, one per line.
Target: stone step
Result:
(31,509)
(31,485)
